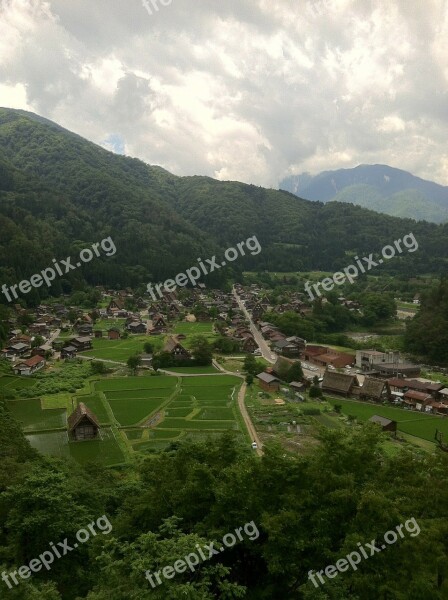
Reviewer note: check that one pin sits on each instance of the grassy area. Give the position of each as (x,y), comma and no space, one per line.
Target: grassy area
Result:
(121,350)
(193,329)
(96,405)
(190,329)
(131,411)
(185,404)
(412,423)
(342,349)
(135,383)
(105,451)
(10,383)
(408,306)
(185,424)
(210,381)
(194,370)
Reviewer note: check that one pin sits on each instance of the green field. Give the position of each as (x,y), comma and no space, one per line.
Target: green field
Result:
(96,405)
(105,451)
(180,412)
(185,424)
(54,444)
(30,414)
(212,414)
(131,411)
(134,434)
(120,350)
(136,383)
(413,423)
(210,381)
(201,404)
(142,394)
(10,382)
(193,370)
(191,329)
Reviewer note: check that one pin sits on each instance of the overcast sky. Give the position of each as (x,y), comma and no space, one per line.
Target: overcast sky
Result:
(249,90)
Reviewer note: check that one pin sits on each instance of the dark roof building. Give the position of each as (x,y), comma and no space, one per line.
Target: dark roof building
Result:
(83,424)
(374,389)
(339,383)
(385,424)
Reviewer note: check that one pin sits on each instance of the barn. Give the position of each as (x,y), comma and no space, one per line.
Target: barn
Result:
(83,424)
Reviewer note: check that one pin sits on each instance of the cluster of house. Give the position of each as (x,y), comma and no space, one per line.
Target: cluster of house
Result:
(254,300)
(412,393)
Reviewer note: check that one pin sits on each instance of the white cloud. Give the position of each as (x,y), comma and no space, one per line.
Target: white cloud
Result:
(247,90)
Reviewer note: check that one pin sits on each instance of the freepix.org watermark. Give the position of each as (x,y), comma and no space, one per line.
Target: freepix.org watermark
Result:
(192,560)
(193,274)
(47,558)
(155,5)
(49,274)
(354,558)
(352,271)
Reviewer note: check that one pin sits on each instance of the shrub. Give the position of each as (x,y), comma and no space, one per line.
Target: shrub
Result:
(311,411)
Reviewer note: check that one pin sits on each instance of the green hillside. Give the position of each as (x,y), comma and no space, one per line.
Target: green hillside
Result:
(60,193)
(406,204)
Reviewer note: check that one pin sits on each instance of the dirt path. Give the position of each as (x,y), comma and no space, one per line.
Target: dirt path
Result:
(250,426)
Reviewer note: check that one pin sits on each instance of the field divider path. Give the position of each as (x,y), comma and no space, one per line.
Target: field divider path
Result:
(177,388)
(243,410)
(121,440)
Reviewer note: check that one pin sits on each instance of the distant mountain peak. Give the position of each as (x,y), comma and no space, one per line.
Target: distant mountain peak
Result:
(379,187)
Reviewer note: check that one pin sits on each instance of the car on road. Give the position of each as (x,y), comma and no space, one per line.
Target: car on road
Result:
(254,445)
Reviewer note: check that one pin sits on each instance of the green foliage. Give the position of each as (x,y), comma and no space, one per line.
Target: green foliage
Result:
(71,193)
(315,391)
(295,373)
(427,333)
(202,350)
(98,367)
(311,411)
(134,362)
(225,345)
(252,366)
(148,347)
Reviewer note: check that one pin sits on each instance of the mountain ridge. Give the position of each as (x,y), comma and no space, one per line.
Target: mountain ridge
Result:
(59,193)
(406,194)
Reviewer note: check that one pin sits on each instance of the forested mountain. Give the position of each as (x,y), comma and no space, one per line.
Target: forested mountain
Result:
(59,193)
(377,187)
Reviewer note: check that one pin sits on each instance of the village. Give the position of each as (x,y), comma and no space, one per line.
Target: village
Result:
(233,322)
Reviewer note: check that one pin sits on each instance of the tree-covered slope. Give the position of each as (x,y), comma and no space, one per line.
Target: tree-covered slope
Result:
(60,193)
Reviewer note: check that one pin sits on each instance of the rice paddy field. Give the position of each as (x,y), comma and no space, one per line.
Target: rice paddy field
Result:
(9,383)
(105,451)
(32,417)
(152,412)
(136,414)
(413,423)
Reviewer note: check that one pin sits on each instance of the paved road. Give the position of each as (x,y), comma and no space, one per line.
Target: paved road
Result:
(266,352)
(53,336)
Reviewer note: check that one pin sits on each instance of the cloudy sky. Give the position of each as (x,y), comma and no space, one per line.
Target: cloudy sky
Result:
(249,90)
